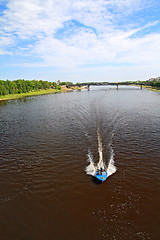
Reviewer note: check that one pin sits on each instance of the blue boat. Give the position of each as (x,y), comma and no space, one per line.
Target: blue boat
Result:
(101,174)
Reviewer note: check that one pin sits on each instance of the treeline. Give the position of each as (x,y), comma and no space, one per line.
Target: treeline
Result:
(154,84)
(92,83)
(24,86)
(66,84)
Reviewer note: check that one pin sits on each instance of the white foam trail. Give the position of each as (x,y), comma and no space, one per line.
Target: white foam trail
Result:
(100,151)
(92,167)
(111,167)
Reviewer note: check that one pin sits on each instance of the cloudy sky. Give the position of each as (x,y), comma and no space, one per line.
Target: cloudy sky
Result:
(80,40)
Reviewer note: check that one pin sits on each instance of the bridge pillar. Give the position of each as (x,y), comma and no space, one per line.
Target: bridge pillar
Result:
(141,86)
(117,86)
(88,87)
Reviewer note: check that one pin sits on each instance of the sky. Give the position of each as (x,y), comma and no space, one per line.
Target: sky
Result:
(80,40)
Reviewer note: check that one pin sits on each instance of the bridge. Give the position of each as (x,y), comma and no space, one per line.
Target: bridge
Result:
(111,84)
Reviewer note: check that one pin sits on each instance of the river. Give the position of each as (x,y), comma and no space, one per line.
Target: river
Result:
(46,145)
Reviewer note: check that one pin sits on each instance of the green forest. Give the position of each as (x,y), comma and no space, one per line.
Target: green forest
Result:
(25,86)
(155,84)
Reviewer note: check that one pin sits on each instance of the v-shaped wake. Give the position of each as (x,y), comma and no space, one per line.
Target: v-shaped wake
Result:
(93,167)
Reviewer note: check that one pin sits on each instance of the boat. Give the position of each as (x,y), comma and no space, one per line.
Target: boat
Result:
(101,174)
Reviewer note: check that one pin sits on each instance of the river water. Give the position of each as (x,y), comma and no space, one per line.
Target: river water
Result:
(46,145)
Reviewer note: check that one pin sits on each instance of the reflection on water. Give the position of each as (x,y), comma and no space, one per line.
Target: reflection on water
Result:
(45,143)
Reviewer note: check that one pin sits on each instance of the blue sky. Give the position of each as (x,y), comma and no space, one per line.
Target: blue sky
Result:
(79,40)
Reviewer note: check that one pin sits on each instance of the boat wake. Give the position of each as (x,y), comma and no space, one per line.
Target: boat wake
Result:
(93,166)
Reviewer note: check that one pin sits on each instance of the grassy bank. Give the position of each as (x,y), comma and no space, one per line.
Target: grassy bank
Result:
(30,94)
(152,89)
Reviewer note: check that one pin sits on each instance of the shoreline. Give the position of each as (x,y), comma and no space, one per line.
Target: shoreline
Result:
(151,89)
(36,93)
(52,91)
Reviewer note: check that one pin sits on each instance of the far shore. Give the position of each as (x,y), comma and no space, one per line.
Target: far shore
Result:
(36,93)
(53,91)
(151,89)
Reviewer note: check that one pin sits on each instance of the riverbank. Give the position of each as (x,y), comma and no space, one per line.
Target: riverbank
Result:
(151,89)
(35,93)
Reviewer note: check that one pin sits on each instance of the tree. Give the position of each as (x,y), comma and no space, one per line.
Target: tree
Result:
(3,90)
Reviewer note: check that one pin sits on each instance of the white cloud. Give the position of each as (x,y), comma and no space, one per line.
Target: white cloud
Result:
(28,18)
(5,40)
(86,48)
(98,39)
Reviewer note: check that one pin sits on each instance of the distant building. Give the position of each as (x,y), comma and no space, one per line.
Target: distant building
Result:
(58,82)
(154,79)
